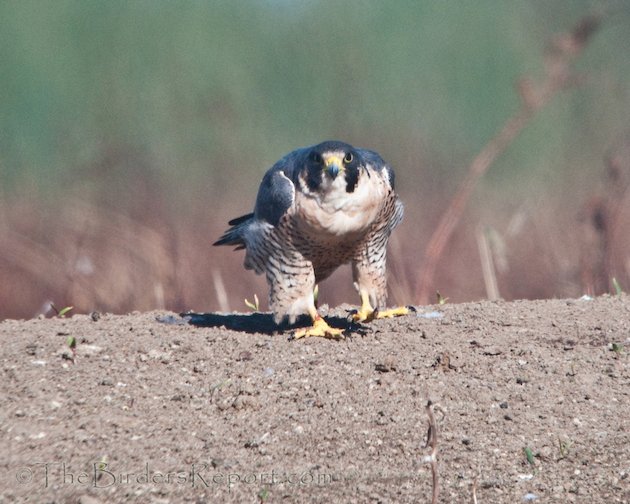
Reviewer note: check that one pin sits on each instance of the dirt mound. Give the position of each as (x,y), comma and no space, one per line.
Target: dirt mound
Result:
(531,399)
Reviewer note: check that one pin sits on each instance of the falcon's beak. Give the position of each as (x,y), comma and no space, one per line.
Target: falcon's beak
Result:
(334,165)
(333,170)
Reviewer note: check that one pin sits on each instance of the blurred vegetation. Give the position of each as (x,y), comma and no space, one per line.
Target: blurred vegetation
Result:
(168,112)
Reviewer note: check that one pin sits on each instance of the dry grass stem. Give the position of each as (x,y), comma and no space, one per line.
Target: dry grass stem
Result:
(534,96)
(219,289)
(432,442)
(487,265)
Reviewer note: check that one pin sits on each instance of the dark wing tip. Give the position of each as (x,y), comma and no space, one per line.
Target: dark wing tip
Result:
(233,236)
(238,220)
(221,241)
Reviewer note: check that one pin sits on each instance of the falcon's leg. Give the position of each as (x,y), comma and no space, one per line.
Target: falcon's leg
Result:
(291,280)
(366,313)
(368,271)
(319,328)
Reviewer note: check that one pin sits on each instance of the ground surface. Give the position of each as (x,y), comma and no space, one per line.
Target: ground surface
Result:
(164,411)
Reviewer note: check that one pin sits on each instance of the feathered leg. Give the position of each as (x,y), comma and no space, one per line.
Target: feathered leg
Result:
(291,280)
(370,279)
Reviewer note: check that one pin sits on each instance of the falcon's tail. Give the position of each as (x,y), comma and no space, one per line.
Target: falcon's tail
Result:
(235,235)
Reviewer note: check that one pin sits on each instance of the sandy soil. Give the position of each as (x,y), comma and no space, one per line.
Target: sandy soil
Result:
(155,409)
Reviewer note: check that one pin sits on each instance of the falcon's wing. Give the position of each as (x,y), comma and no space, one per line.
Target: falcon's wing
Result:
(254,231)
(275,196)
(377,163)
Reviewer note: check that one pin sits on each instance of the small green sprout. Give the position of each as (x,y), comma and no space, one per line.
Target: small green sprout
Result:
(529,454)
(255,306)
(617,287)
(263,495)
(61,313)
(617,348)
(71,341)
(564,447)
(441,299)
(102,465)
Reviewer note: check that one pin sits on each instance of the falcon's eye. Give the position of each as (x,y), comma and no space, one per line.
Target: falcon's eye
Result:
(348,158)
(315,157)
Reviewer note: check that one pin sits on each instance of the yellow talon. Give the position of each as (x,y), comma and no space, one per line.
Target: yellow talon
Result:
(393,312)
(319,328)
(367,313)
(364,315)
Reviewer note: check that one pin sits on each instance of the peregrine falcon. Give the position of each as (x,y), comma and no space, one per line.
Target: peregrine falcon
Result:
(317,208)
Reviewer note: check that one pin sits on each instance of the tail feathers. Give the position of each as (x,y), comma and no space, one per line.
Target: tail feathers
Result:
(234,235)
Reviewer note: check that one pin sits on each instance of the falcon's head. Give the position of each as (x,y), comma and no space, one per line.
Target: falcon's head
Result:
(332,165)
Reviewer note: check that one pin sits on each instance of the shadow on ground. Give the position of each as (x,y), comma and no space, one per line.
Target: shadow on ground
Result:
(261,323)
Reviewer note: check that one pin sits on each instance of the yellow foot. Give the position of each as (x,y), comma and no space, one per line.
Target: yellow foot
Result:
(321,329)
(367,314)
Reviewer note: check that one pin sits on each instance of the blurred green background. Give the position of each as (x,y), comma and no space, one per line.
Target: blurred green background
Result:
(131,131)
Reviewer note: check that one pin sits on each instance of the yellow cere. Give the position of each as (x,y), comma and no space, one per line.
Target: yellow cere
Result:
(333,158)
